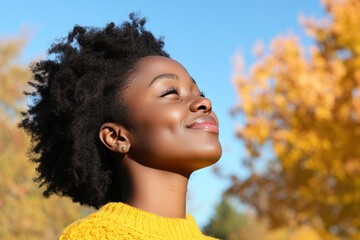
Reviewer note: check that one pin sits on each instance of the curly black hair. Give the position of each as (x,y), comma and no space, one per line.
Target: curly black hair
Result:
(77,89)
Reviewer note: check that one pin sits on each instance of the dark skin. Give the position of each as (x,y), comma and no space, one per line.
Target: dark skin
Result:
(174,133)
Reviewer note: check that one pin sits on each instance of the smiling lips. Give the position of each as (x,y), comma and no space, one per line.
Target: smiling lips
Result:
(206,123)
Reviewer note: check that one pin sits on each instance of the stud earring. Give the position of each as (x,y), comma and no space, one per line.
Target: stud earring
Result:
(123,147)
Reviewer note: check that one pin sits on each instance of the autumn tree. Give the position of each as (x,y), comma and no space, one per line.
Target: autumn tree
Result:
(230,224)
(304,102)
(24,213)
(225,220)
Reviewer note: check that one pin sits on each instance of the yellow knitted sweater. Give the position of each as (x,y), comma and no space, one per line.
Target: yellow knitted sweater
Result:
(121,221)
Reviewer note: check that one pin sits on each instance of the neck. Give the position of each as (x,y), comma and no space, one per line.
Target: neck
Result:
(152,190)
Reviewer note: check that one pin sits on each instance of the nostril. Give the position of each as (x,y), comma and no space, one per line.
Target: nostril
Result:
(202,107)
(200,104)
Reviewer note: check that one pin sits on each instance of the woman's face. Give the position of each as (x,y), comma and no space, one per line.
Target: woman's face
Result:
(174,127)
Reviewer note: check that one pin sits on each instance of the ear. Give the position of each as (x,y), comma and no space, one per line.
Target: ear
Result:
(115,137)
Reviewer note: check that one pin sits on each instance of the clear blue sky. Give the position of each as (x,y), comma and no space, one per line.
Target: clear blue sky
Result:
(203,35)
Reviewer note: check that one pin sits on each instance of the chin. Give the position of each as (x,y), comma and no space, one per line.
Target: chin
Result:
(207,156)
(184,160)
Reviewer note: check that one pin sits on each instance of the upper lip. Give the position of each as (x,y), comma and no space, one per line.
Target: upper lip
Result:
(203,120)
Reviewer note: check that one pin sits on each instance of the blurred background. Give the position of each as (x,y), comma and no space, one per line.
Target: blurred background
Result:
(283,78)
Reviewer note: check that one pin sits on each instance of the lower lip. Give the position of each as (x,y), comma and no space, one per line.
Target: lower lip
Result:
(207,127)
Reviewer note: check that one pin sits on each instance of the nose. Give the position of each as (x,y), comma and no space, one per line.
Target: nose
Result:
(200,104)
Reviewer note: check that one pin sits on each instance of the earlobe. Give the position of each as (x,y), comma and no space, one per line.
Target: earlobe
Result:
(115,137)
(123,147)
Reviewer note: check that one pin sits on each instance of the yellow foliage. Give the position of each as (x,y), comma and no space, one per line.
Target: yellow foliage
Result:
(24,213)
(306,102)
(255,229)
(305,233)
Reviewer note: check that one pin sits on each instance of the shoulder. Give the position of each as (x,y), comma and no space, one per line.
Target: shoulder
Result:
(89,229)
(101,228)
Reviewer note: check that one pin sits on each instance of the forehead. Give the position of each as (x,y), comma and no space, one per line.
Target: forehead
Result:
(147,68)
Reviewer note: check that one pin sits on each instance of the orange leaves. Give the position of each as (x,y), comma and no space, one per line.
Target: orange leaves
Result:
(13,77)
(306,102)
(24,213)
(305,233)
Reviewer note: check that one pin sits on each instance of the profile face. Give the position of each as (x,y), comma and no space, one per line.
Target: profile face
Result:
(174,127)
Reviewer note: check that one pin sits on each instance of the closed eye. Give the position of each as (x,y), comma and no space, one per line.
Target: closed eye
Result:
(170,91)
(202,94)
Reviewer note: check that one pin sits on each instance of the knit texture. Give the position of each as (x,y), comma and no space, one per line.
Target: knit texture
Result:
(121,221)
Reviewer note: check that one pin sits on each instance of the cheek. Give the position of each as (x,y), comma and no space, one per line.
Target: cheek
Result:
(162,119)
(159,125)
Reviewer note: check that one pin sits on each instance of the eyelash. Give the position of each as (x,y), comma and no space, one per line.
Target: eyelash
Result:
(176,91)
(170,91)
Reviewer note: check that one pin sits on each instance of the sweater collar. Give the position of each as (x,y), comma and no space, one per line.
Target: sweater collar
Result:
(168,228)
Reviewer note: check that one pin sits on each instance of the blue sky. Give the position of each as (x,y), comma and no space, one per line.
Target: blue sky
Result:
(203,35)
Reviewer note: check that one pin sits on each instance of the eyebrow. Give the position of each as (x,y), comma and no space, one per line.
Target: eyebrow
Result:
(167,76)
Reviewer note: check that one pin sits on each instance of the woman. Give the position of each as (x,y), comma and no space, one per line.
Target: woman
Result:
(119,125)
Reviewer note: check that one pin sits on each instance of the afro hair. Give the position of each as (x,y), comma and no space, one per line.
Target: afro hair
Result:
(77,89)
